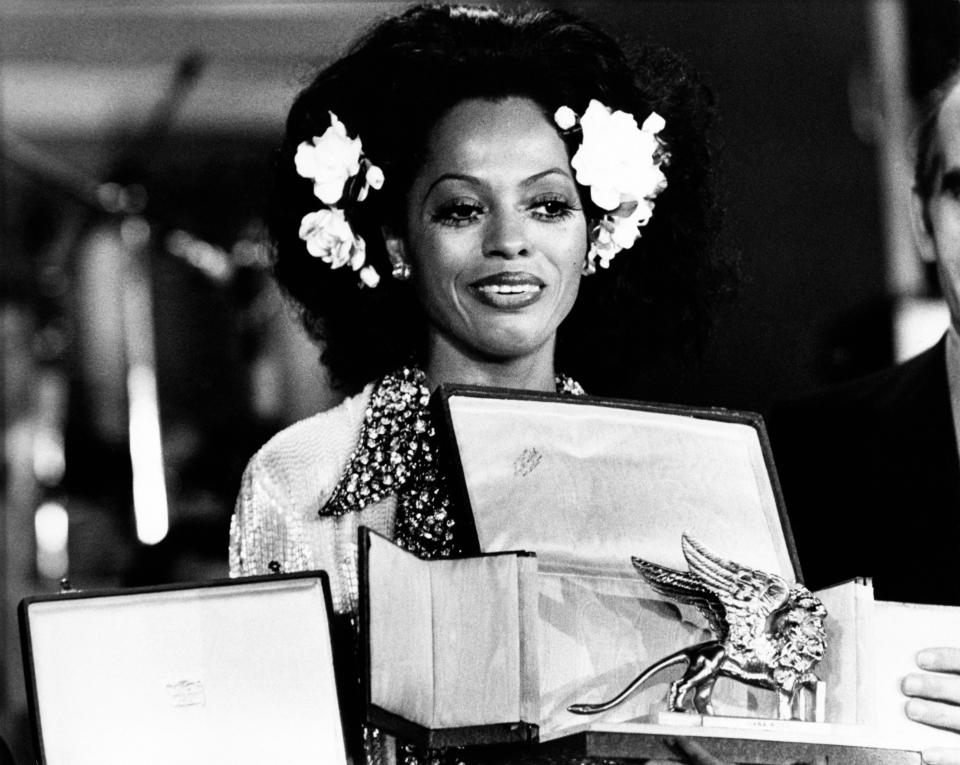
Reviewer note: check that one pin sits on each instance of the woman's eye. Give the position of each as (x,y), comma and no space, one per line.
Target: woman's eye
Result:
(457,213)
(552,208)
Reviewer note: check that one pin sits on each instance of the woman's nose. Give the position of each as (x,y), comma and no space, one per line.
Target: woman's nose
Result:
(506,236)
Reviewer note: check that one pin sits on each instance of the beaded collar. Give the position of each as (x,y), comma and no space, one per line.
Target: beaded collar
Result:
(397,454)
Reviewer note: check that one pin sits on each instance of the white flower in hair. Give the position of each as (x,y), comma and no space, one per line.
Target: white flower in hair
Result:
(622,165)
(616,159)
(330,161)
(329,237)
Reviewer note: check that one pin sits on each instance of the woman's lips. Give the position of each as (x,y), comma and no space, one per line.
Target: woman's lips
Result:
(508,289)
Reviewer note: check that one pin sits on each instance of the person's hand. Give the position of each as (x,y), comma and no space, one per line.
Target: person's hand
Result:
(935,698)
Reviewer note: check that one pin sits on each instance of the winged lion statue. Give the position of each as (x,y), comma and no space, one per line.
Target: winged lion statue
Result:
(768,632)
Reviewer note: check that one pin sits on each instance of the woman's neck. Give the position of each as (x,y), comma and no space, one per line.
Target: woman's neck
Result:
(531,372)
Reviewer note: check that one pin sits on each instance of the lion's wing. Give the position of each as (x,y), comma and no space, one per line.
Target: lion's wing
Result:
(685,588)
(749,596)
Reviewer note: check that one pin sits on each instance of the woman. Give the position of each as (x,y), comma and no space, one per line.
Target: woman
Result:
(442,190)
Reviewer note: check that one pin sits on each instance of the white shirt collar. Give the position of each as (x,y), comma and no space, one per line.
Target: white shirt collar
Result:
(953,376)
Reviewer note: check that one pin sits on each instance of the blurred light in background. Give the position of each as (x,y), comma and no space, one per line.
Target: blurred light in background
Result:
(146,449)
(48,456)
(49,459)
(146,457)
(51,523)
(211,261)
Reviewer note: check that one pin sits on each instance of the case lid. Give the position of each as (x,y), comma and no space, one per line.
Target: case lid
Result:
(591,482)
(465,670)
(237,671)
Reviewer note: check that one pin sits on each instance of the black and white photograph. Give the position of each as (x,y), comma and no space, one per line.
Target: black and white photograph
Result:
(551,382)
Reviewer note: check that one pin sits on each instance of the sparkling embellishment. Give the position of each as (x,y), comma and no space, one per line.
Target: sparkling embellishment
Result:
(414,755)
(396,455)
(567,386)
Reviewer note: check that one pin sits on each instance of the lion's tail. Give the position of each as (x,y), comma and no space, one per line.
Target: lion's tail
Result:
(683,655)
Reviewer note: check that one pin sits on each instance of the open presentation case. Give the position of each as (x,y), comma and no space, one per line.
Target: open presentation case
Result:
(584,484)
(449,646)
(238,671)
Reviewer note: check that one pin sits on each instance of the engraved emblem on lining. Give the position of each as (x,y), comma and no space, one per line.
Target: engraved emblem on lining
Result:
(527,462)
(186,693)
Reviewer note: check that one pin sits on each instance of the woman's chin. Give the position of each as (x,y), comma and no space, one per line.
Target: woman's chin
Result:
(511,348)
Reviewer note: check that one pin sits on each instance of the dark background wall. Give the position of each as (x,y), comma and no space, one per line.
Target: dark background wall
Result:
(802,190)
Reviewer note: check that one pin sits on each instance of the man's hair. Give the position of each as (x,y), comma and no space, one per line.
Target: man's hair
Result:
(928,162)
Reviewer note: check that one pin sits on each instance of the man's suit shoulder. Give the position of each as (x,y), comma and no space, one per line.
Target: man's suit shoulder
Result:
(869,401)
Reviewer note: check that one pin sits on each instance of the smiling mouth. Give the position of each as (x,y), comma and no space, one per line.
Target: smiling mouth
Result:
(508,290)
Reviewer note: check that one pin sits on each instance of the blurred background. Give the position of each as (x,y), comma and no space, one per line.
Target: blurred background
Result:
(145,355)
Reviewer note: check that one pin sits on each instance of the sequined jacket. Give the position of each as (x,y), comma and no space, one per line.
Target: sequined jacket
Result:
(284,486)
(277,521)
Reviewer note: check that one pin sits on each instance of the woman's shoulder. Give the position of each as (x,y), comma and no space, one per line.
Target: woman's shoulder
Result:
(308,456)
(286,482)
(319,429)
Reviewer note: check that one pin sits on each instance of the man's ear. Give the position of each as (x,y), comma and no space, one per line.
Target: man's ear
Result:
(920,223)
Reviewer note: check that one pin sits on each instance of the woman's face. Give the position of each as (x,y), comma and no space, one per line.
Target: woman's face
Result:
(496,234)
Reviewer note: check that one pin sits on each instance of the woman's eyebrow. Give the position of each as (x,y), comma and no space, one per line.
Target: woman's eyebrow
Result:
(538,176)
(475,181)
(451,177)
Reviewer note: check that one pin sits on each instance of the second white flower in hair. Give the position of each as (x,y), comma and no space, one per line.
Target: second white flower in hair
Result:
(329,161)
(328,236)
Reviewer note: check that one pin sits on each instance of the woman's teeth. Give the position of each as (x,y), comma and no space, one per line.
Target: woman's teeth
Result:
(509,289)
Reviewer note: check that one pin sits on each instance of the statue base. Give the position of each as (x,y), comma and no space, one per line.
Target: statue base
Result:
(732,739)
